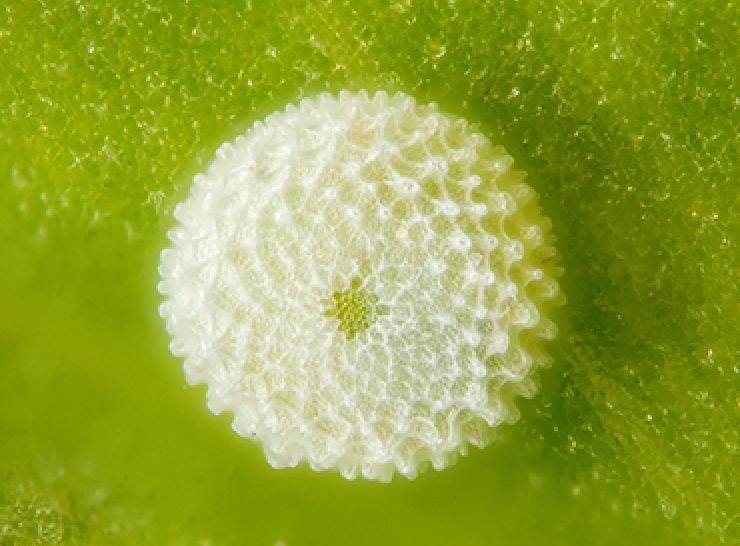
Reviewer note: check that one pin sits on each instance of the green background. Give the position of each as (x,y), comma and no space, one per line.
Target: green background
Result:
(625,116)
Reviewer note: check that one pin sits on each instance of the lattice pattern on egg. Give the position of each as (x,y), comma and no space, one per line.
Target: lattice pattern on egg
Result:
(443,243)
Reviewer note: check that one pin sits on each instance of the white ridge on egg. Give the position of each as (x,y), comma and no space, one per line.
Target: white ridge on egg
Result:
(363,282)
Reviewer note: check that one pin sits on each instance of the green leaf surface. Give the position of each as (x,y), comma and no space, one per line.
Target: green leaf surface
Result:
(625,116)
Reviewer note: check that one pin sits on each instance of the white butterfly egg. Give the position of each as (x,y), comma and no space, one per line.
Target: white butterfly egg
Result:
(351,279)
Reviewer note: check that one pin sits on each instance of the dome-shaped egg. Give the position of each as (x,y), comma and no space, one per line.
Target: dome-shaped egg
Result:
(363,282)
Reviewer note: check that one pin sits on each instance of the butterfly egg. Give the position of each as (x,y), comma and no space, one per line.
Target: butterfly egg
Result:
(342,280)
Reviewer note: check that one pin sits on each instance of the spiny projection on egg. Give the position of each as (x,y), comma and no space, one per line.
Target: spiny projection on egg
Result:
(364,282)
